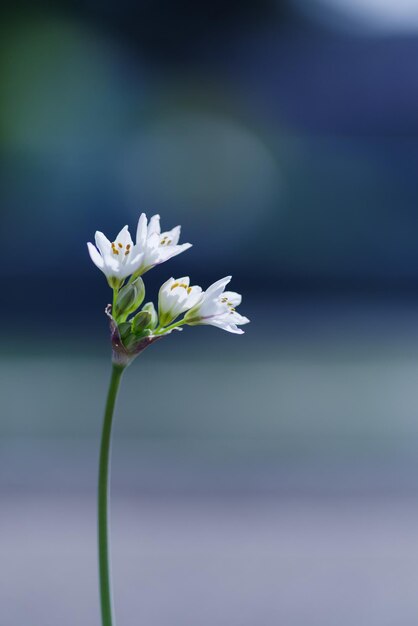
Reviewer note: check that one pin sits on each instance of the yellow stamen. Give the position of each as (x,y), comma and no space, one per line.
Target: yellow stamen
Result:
(120,245)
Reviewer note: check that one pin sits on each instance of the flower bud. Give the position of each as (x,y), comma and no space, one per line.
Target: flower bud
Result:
(129,298)
(141,322)
(133,340)
(149,307)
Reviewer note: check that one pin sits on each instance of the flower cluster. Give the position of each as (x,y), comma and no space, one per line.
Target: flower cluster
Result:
(124,262)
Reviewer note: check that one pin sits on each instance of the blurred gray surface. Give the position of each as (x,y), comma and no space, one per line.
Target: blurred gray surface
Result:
(232,562)
(269,482)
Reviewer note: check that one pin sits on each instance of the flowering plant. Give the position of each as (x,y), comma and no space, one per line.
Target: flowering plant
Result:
(134,327)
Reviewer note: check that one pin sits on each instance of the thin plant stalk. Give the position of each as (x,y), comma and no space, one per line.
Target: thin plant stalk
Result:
(105,584)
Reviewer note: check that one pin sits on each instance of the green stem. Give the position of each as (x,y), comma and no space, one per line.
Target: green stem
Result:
(103,498)
(161,330)
(115,295)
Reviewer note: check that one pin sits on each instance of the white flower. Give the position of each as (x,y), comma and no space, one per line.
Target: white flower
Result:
(121,258)
(218,308)
(175,297)
(118,259)
(158,247)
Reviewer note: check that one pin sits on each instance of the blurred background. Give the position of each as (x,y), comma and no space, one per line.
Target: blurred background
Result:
(257,480)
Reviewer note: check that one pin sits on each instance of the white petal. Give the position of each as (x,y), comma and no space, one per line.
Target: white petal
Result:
(124,237)
(153,241)
(211,307)
(95,256)
(141,231)
(164,294)
(121,272)
(151,255)
(112,263)
(172,235)
(236,318)
(154,225)
(103,243)
(224,325)
(217,288)
(168,283)
(234,298)
(193,298)
(134,262)
(195,292)
(168,252)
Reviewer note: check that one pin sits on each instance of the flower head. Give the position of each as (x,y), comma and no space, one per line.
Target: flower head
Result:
(117,259)
(157,246)
(218,308)
(121,258)
(175,297)
(123,262)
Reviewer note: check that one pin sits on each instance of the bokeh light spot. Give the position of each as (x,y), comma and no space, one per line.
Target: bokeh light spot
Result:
(194,162)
